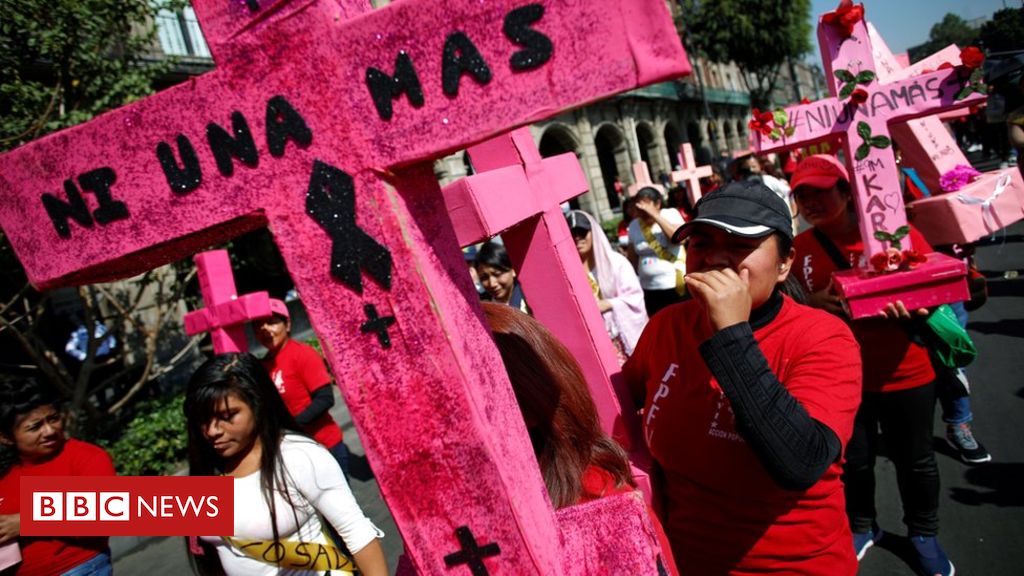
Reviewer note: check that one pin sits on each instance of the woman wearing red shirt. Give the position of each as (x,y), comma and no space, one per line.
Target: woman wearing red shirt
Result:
(899,390)
(32,443)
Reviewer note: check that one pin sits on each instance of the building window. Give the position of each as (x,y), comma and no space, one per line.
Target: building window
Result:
(179,33)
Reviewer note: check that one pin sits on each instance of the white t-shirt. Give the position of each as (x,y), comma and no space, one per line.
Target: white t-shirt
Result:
(315,483)
(655,273)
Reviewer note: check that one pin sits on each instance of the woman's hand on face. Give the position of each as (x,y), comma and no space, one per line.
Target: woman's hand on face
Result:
(897,311)
(646,205)
(724,294)
(10,527)
(827,300)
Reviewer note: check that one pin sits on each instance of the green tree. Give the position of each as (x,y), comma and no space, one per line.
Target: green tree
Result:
(952,29)
(759,37)
(1004,32)
(61,63)
(64,61)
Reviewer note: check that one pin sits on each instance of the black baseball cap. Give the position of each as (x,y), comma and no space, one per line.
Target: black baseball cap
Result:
(747,208)
(577,220)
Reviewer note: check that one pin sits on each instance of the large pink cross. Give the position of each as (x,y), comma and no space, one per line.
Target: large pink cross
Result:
(319,123)
(518,194)
(864,128)
(642,179)
(226,313)
(690,173)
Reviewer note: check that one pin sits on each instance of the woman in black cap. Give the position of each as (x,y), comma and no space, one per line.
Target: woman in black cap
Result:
(748,399)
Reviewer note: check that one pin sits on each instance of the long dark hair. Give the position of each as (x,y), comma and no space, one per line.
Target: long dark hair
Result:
(20,395)
(494,255)
(244,376)
(556,405)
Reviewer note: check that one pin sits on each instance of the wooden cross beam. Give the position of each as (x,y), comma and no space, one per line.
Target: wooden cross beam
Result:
(226,314)
(642,179)
(690,173)
(319,122)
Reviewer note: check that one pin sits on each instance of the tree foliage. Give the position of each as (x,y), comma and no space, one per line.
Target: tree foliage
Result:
(65,61)
(952,29)
(760,37)
(1004,32)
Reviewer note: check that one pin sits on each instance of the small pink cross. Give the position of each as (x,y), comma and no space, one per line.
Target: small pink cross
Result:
(642,179)
(690,173)
(226,313)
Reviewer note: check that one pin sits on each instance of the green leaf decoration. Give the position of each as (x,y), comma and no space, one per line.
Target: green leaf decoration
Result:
(790,130)
(880,142)
(977,75)
(964,92)
(862,151)
(847,90)
(883,236)
(844,76)
(775,135)
(780,117)
(896,244)
(865,77)
(901,232)
(864,130)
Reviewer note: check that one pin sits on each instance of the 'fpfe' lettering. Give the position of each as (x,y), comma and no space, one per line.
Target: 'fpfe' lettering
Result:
(461,56)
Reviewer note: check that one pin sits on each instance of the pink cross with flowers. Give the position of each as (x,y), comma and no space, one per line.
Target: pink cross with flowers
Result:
(690,173)
(226,313)
(861,109)
(320,122)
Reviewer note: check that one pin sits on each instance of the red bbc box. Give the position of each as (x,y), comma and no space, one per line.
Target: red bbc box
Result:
(940,280)
(979,209)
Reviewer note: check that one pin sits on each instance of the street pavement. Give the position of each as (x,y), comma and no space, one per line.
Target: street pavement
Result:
(982,507)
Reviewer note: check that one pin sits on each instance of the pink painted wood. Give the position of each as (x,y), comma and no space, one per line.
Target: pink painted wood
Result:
(226,314)
(925,143)
(690,173)
(518,194)
(875,177)
(642,179)
(348,193)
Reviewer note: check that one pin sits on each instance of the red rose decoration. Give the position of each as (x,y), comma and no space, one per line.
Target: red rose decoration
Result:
(945,66)
(761,122)
(845,16)
(805,100)
(888,261)
(972,57)
(859,96)
(913,258)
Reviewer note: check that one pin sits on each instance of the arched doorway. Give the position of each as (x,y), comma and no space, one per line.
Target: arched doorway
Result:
(648,145)
(613,159)
(672,141)
(730,138)
(700,150)
(559,139)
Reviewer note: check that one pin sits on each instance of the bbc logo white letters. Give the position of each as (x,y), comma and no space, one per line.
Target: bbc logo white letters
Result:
(80,506)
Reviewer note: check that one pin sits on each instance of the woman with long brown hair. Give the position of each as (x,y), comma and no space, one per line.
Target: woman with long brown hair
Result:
(578,461)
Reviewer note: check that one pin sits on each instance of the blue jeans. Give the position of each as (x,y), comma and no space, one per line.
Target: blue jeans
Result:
(340,453)
(98,565)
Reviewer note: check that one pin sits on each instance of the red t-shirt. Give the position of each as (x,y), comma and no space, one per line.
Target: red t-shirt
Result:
(722,511)
(297,370)
(56,555)
(892,361)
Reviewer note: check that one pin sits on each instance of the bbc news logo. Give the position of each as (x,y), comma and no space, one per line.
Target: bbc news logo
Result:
(127,505)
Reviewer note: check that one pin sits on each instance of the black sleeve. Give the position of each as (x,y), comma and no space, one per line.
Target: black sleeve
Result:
(795,448)
(321,401)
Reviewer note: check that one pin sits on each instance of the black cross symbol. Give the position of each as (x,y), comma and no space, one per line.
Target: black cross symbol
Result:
(377,324)
(331,201)
(471,553)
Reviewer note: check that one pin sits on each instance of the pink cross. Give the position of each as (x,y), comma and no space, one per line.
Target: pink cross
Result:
(864,128)
(642,179)
(518,194)
(690,173)
(320,122)
(226,313)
